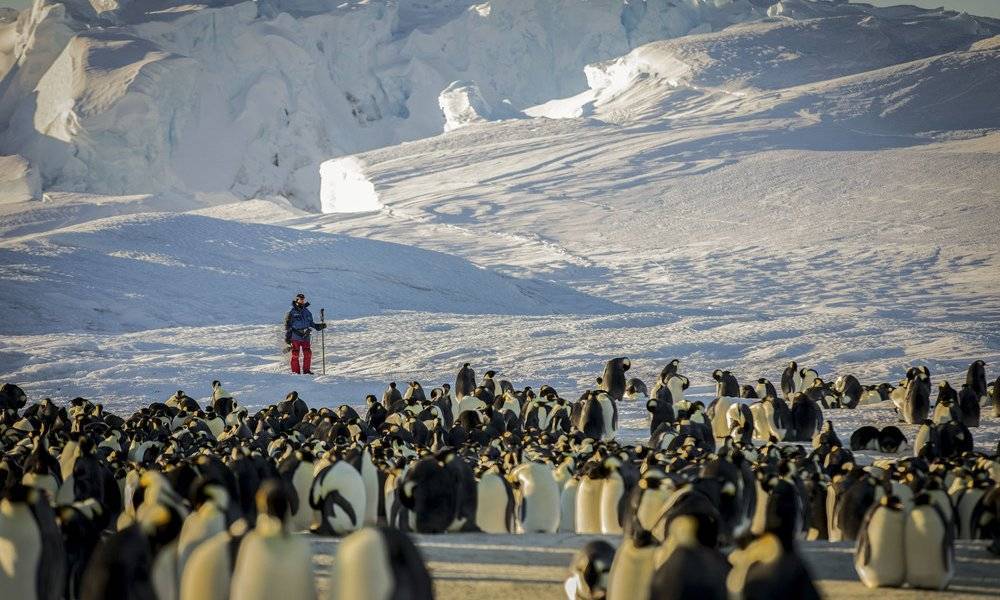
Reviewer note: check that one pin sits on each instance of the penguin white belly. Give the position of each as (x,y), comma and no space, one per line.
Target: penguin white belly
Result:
(761,425)
(940,499)
(369,474)
(491,504)
(930,559)
(880,558)
(273,566)
(758,522)
(206,572)
(164,573)
(567,506)
(20,551)
(631,571)
(361,569)
(302,480)
(720,422)
(540,497)
(588,505)
(201,525)
(651,507)
(608,415)
(965,508)
(611,494)
(834,532)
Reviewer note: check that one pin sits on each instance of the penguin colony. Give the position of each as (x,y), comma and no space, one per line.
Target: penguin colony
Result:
(180,501)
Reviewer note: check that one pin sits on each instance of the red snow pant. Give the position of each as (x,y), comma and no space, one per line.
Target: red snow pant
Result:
(306,356)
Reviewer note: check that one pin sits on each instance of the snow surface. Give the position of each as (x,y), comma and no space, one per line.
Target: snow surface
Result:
(822,185)
(140,97)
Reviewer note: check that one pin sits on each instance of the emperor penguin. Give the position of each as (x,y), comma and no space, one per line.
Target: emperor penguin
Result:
(790,379)
(271,562)
(379,563)
(337,495)
(613,378)
(465,382)
(765,389)
(495,508)
(767,569)
(647,502)
(968,402)
(676,385)
(975,378)
(297,471)
(635,390)
(880,555)
(588,498)
(725,384)
(538,498)
(632,568)
(915,403)
(208,519)
(589,571)
(23,574)
(995,397)
(567,505)
(850,390)
(806,379)
(929,546)
(618,482)
(687,568)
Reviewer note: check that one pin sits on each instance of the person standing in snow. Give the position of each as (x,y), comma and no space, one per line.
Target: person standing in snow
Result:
(298,325)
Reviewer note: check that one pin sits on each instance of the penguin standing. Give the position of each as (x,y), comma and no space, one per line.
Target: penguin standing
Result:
(766,569)
(968,402)
(632,568)
(379,563)
(297,471)
(687,568)
(929,546)
(725,384)
(538,496)
(495,506)
(975,378)
(916,401)
(271,562)
(790,379)
(338,497)
(588,499)
(613,379)
(465,382)
(20,545)
(880,557)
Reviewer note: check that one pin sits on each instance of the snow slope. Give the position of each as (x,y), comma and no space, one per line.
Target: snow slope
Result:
(820,185)
(249,97)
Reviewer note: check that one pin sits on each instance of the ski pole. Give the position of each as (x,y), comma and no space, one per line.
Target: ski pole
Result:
(322,338)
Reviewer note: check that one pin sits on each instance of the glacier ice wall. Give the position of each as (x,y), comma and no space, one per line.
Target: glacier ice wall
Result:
(126,97)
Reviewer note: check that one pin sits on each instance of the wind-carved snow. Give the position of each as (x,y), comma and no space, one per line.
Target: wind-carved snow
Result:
(463,104)
(19,181)
(345,187)
(250,98)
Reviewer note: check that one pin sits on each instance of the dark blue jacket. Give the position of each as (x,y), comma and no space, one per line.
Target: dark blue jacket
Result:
(298,323)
